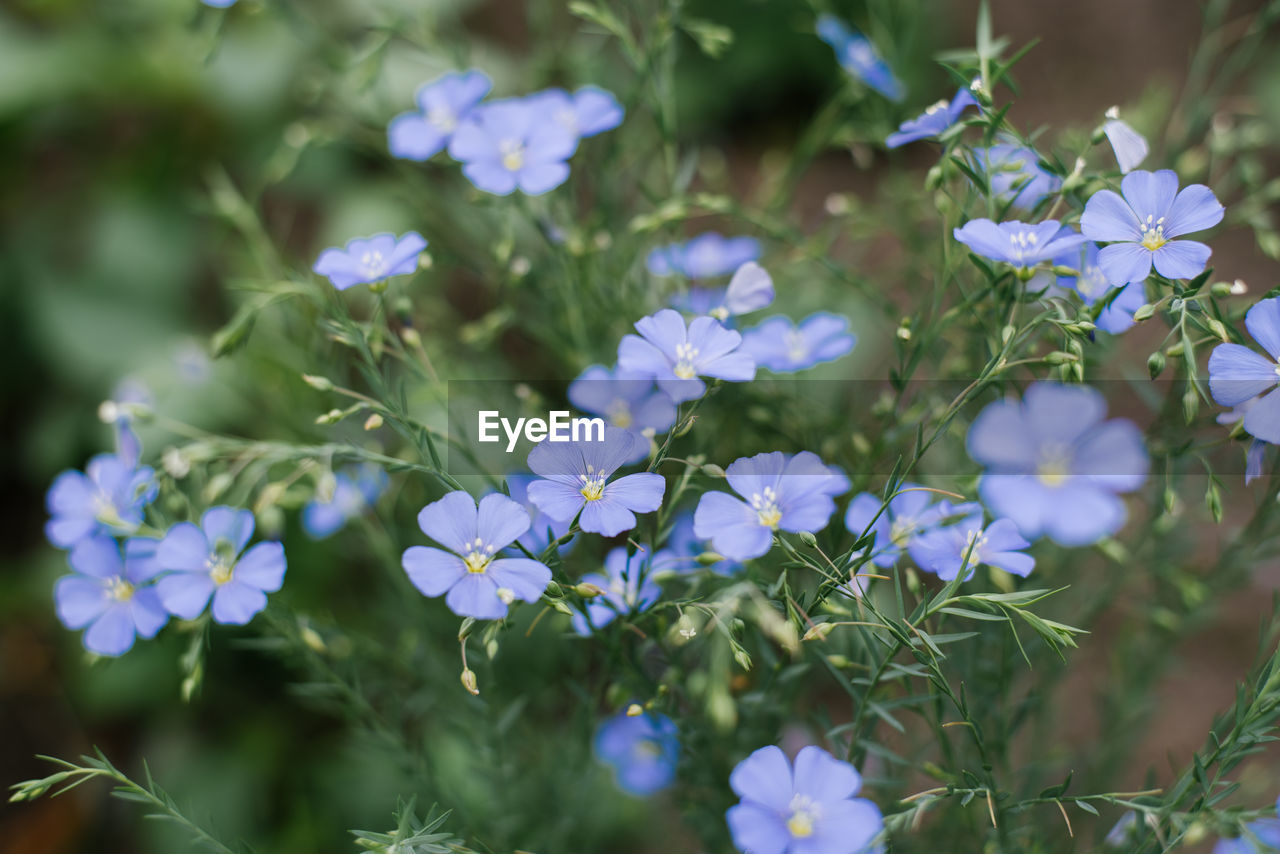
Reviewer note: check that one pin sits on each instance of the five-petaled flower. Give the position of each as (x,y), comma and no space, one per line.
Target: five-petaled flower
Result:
(575,477)
(1141,226)
(945,550)
(677,356)
(587,112)
(1020,245)
(628,586)
(108,594)
(205,560)
(859,57)
(366,260)
(1054,466)
(789,493)
(785,347)
(641,749)
(933,121)
(1092,287)
(474,579)
(442,105)
(909,514)
(703,257)
(354,492)
(806,809)
(627,400)
(108,498)
(1237,374)
(511,144)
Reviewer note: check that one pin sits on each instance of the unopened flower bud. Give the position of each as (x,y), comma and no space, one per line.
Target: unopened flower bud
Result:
(818,632)
(713,470)
(313,640)
(635,710)
(1155,364)
(588,590)
(1144,311)
(469,681)
(318,383)
(373,422)
(411,337)
(808,539)
(709,558)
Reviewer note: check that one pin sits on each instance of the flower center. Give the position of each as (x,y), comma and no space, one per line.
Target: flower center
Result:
(512,154)
(1054,466)
(477,560)
(804,814)
(646,748)
(619,413)
(222,562)
(974,541)
(443,120)
(765,503)
(685,354)
(567,119)
(592,484)
(720,313)
(902,530)
(373,263)
(119,589)
(1153,233)
(1092,283)
(936,108)
(797,346)
(105,511)
(1022,241)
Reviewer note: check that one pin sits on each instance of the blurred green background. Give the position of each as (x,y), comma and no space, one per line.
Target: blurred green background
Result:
(120,125)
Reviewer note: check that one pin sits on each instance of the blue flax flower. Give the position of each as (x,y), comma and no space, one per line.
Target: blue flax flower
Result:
(791,493)
(1015,176)
(543,530)
(1256,454)
(575,479)
(474,580)
(859,57)
(688,546)
(1237,374)
(587,112)
(1262,835)
(806,809)
(1129,145)
(366,260)
(108,498)
(943,551)
(784,347)
(354,492)
(442,105)
(642,750)
(626,400)
(1020,245)
(205,561)
(1142,226)
(911,513)
(219,4)
(677,356)
(106,595)
(628,587)
(703,257)
(750,289)
(1092,287)
(511,144)
(933,121)
(1054,466)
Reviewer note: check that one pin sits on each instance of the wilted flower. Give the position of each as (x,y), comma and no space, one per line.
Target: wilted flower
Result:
(1054,466)
(791,493)
(676,357)
(944,550)
(1018,244)
(627,400)
(1142,225)
(1237,374)
(859,57)
(784,347)
(642,750)
(477,582)
(205,560)
(105,594)
(354,492)
(703,257)
(933,121)
(509,144)
(628,588)
(109,498)
(576,478)
(808,809)
(442,105)
(366,260)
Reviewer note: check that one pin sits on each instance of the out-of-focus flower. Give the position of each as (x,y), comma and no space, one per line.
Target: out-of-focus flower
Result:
(473,579)
(1020,245)
(366,260)
(791,493)
(642,750)
(750,289)
(944,550)
(808,809)
(628,588)
(205,561)
(575,478)
(627,400)
(105,594)
(108,498)
(784,347)
(355,491)
(688,547)
(1141,226)
(933,121)
(511,144)
(442,105)
(859,57)
(1260,837)
(1238,375)
(1014,174)
(543,530)
(703,257)
(1129,145)
(587,112)
(911,513)
(1054,466)
(677,356)
(1092,287)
